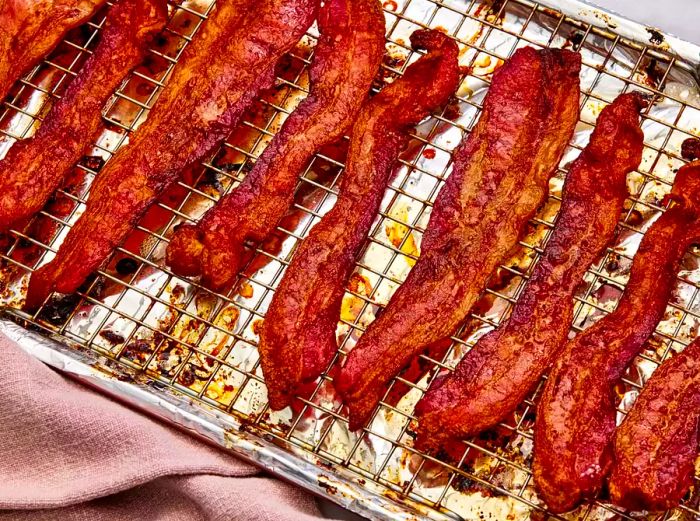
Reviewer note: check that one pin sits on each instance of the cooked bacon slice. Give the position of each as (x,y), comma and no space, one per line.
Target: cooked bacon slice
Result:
(29,29)
(298,336)
(576,413)
(499,178)
(217,79)
(346,60)
(655,448)
(35,167)
(499,371)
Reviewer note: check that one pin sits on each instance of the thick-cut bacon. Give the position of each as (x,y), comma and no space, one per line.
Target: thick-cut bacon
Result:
(35,167)
(218,77)
(298,337)
(576,413)
(346,60)
(499,371)
(29,29)
(499,178)
(655,448)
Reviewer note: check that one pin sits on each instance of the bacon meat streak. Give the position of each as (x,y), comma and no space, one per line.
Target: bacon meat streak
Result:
(655,448)
(499,178)
(346,60)
(220,74)
(499,371)
(30,29)
(577,410)
(35,167)
(298,338)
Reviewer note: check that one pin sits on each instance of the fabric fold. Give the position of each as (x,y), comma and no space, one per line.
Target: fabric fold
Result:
(69,453)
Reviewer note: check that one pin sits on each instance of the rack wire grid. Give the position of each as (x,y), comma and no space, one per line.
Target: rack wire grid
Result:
(185,338)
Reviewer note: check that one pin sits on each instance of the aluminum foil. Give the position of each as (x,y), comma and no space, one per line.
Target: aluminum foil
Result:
(168,346)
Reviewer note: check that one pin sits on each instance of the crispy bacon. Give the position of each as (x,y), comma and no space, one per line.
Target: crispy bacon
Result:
(655,448)
(35,167)
(218,77)
(29,29)
(576,413)
(346,60)
(298,337)
(499,371)
(499,178)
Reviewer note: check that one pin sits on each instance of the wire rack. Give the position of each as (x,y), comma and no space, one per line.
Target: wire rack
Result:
(202,345)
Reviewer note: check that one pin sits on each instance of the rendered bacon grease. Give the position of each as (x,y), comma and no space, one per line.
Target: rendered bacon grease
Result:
(655,448)
(29,29)
(298,336)
(499,178)
(218,77)
(35,167)
(497,373)
(346,60)
(576,413)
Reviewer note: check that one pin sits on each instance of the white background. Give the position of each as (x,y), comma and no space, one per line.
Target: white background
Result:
(678,17)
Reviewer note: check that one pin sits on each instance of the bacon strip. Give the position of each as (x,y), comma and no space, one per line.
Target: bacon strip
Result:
(29,29)
(576,413)
(298,336)
(218,77)
(499,371)
(35,167)
(499,178)
(346,60)
(656,446)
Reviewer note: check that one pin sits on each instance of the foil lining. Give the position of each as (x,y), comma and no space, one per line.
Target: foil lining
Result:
(189,356)
(208,424)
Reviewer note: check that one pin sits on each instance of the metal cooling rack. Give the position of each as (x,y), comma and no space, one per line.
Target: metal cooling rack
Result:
(172,347)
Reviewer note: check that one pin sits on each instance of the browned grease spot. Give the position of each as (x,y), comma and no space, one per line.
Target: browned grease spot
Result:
(452,111)
(653,74)
(138,350)
(227,318)
(390,5)
(187,377)
(495,13)
(486,65)
(574,40)
(613,264)
(636,218)
(246,290)
(655,36)
(177,294)
(257,326)
(112,337)
(330,489)
(396,232)
(351,306)
(360,284)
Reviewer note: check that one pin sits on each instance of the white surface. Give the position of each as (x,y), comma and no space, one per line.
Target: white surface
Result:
(678,17)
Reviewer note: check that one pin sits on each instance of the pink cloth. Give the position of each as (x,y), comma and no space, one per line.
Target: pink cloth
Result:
(71,454)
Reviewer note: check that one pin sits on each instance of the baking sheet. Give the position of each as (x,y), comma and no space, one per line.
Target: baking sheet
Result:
(167,346)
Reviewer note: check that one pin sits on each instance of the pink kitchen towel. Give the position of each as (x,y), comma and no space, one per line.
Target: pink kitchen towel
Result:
(68,453)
